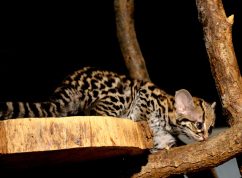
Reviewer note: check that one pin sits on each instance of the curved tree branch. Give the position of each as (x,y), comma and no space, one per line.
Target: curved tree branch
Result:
(127,39)
(194,157)
(218,40)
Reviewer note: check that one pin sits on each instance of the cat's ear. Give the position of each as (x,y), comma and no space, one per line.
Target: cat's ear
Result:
(183,102)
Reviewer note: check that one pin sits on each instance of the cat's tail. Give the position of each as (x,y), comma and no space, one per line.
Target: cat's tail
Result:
(12,110)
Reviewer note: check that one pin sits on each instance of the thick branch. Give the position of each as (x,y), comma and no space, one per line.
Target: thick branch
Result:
(196,156)
(128,41)
(218,40)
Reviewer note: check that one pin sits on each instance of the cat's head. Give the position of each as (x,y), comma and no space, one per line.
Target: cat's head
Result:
(195,117)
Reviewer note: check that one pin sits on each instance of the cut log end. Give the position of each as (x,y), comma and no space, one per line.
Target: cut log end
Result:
(71,138)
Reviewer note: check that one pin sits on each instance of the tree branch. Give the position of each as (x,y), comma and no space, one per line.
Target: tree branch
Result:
(194,157)
(127,39)
(218,40)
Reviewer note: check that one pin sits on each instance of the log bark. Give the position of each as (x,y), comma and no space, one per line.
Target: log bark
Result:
(194,157)
(129,45)
(94,136)
(218,40)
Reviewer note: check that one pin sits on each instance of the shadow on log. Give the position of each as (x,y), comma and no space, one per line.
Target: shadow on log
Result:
(57,143)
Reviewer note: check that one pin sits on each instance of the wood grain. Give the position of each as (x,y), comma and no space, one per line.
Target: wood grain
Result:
(86,137)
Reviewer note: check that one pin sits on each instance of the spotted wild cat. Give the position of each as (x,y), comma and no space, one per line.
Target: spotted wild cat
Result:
(94,92)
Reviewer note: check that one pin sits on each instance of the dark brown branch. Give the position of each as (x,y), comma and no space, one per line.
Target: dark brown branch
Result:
(127,39)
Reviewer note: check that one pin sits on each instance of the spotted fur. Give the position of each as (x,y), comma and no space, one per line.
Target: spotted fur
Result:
(94,92)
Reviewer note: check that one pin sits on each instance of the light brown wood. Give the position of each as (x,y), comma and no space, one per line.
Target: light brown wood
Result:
(89,137)
(217,28)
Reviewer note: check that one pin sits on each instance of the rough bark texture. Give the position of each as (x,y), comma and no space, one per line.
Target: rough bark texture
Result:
(218,40)
(194,157)
(127,39)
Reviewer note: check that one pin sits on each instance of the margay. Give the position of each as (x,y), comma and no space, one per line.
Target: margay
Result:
(94,92)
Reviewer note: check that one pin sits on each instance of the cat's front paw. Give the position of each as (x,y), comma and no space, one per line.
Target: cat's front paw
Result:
(159,147)
(163,143)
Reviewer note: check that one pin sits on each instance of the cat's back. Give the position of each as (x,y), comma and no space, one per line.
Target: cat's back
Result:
(90,78)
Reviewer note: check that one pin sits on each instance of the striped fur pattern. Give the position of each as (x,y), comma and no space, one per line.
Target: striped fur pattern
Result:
(94,92)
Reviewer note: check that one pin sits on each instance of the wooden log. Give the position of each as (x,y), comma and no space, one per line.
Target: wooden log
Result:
(68,139)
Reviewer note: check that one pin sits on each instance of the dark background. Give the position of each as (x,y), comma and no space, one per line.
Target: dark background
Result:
(42,42)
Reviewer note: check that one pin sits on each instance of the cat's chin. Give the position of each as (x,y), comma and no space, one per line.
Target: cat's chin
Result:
(198,138)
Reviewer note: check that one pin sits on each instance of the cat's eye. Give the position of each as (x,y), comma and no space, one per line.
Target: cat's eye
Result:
(199,125)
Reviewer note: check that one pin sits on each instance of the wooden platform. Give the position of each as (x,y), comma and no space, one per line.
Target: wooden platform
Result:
(69,139)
